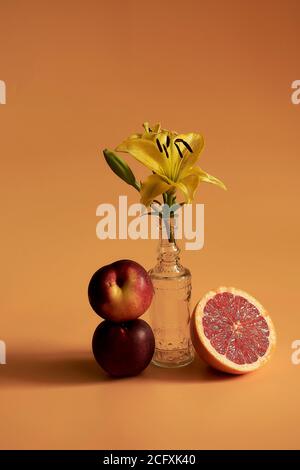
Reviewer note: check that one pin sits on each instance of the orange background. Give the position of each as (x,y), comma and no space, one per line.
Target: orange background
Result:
(81,76)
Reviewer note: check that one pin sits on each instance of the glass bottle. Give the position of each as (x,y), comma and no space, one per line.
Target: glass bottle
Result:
(170,309)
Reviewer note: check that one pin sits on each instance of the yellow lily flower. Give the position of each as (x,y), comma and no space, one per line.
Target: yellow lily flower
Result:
(172,158)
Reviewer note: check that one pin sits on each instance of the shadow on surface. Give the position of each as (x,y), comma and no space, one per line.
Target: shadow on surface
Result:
(62,368)
(79,368)
(197,371)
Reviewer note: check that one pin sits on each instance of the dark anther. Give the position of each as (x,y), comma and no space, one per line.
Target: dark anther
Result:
(168,141)
(166,151)
(159,146)
(185,144)
(150,130)
(179,151)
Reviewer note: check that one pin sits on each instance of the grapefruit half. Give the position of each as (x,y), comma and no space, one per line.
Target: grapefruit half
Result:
(232,331)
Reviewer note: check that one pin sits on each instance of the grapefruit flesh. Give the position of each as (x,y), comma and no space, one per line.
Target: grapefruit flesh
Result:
(232,331)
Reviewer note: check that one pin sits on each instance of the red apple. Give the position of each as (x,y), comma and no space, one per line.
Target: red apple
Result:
(123,349)
(120,291)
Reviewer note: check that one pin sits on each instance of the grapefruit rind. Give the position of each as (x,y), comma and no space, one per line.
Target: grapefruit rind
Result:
(209,354)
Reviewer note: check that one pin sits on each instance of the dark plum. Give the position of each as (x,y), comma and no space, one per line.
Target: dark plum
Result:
(123,349)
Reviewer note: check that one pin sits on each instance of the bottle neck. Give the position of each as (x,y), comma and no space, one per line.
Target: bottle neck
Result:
(168,251)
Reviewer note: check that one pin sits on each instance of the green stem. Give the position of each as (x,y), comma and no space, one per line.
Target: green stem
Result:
(170,201)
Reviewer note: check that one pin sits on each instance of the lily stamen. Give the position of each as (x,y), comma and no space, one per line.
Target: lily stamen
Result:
(166,151)
(159,146)
(185,144)
(179,151)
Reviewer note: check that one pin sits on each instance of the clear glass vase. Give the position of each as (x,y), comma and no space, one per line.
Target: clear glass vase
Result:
(170,310)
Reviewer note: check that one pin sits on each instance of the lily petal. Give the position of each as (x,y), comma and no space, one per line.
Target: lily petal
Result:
(192,141)
(152,187)
(146,126)
(147,153)
(206,178)
(155,129)
(188,186)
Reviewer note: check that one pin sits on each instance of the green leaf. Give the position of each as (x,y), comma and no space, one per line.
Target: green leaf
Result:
(120,168)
